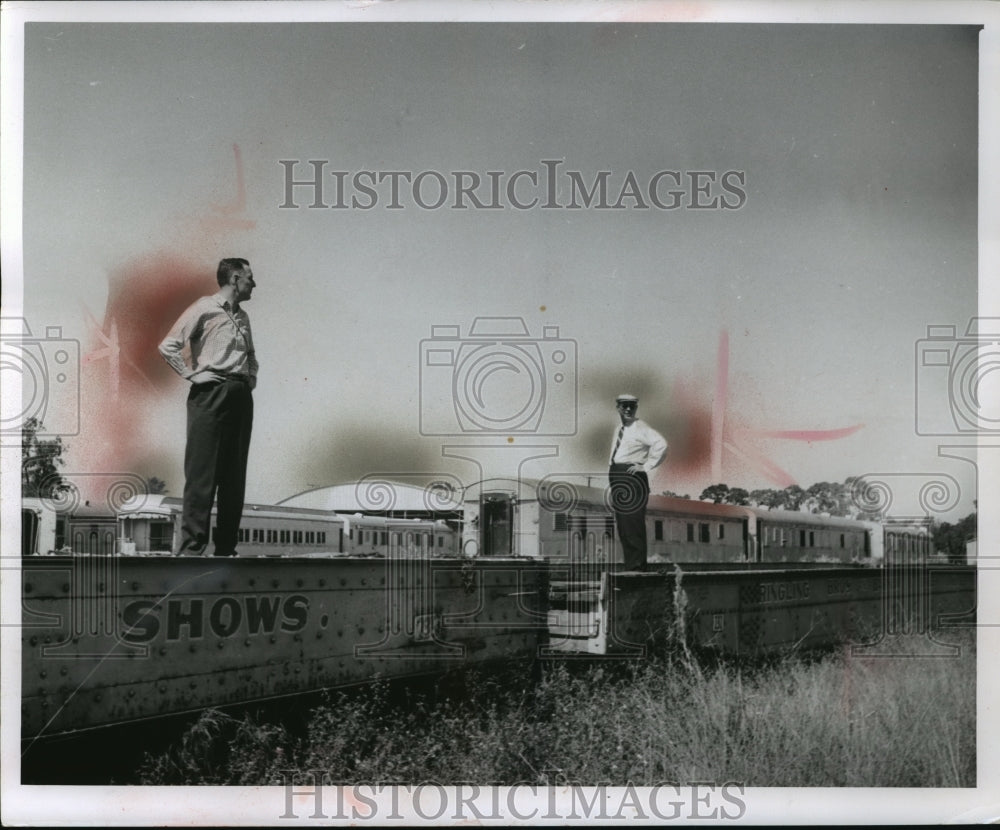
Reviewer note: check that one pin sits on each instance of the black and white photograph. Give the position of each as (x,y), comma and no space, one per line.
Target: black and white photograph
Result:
(536,413)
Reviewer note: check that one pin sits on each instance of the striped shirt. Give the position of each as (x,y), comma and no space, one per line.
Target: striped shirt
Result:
(640,444)
(211,336)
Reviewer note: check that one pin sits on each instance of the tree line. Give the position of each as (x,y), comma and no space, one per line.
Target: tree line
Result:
(847,499)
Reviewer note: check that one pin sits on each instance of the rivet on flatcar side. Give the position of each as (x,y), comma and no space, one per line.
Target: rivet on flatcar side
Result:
(253,582)
(322,583)
(65,587)
(364,581)
(193,684)
(43,674)
(297,638)
(131,692)
(340,633)
(274,583)
(246,642)
(48,639)
(34,641)
(361,629)
(63,671)
(299,583)
(27,588)
(192,648)
(319,635)
(223,585)
(343,582)
(135,586)
(274,639)
(221,643)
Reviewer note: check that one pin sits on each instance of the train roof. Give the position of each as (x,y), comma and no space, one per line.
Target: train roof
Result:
(569,492)
(146,506)
(798,517)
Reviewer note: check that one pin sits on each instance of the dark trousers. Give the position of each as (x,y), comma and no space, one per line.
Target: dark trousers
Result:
(629,496)
(219,420)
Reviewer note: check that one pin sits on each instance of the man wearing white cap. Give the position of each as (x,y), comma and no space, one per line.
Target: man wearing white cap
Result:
(637,450)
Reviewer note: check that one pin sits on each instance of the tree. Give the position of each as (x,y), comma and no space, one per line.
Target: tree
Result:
(40,460)
(674,495)
(951,539)
(768,498)
(156,486)
(716,492)
(738,496)
(827,497)
(792,497)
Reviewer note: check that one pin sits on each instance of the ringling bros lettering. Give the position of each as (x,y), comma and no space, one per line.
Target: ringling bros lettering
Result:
(225,616)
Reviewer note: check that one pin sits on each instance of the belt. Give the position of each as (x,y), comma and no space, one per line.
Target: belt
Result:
(233,376)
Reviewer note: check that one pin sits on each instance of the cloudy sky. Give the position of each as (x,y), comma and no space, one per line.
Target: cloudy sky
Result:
(772,335)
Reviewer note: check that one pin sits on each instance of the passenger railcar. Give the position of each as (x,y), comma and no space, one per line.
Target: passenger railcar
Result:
(150,525)
(49,527)
(560,521)
(787,536)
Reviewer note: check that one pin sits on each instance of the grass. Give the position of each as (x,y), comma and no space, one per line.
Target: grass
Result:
(835,720)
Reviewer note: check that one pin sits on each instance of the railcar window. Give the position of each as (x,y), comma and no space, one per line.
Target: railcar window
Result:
(658,530)
(285,536)
(842,541)
(722,531)
(385,537)
(160,536)
(705,534)
(812,539)
(257,535)
(296,537)
(310,537)
(690,529)
(321,537)
(802,538)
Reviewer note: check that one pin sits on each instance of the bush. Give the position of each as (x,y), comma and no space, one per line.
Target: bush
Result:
(838,720)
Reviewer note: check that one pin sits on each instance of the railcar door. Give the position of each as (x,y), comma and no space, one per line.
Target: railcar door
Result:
(29,532)
(497,522)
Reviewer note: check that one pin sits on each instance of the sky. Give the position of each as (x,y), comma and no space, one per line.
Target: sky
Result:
(773,341)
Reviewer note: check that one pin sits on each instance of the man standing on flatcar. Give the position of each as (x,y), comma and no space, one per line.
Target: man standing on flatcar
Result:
(637,450)
(211,346)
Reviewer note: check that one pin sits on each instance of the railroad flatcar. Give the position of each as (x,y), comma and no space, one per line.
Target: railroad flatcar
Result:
(110,639)
(149,525)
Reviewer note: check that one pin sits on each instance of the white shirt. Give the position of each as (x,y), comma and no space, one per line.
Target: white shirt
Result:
(641,444)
